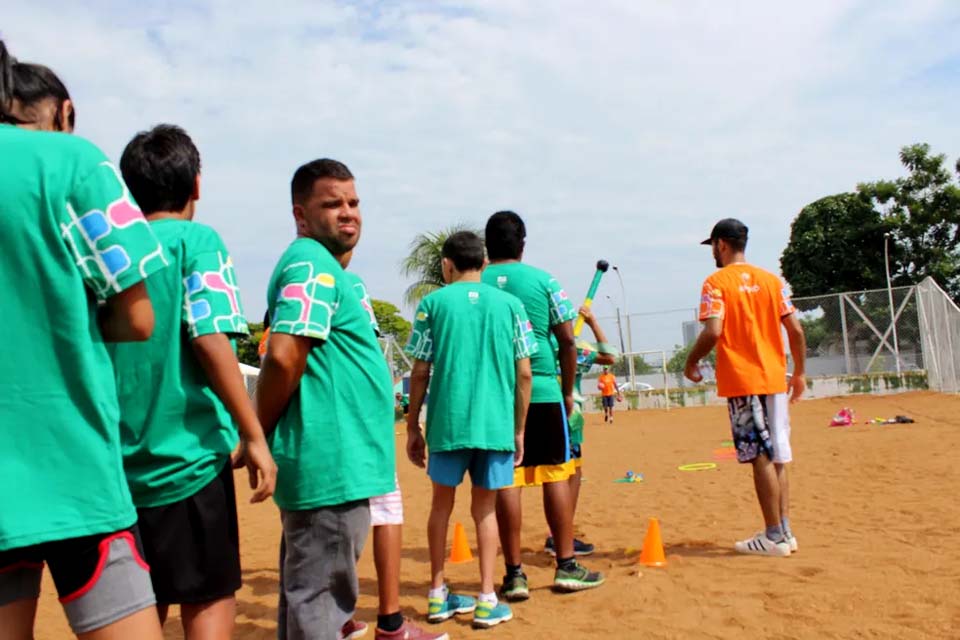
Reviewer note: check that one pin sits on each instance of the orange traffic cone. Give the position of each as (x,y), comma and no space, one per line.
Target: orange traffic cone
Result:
(652,554)
(460,552)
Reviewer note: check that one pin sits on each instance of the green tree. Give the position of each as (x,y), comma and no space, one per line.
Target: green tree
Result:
(677,362)
(391,322)
(923,211)
(247,345)
(640,367)
(836,245)
(423,262)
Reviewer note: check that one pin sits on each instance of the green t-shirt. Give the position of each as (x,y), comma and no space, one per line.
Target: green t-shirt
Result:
(547,305)
(334,442)
(472,333)
(175,431)
(71,236)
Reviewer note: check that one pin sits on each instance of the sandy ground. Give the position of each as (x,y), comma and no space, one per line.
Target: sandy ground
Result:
(874,510)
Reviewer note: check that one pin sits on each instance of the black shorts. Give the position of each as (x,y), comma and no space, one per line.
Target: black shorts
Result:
(546,438)
(193,546)
(608,401)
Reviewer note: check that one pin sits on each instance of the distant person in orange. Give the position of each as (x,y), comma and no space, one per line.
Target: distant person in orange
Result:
(607,384)
(262,347)
(743,308)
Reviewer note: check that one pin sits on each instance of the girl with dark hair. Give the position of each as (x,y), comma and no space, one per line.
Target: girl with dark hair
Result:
(74,251)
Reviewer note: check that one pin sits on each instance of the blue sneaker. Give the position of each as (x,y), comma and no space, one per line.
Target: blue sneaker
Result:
(439,610)
(490,615)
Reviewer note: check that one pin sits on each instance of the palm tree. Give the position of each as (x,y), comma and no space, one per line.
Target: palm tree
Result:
(423,262)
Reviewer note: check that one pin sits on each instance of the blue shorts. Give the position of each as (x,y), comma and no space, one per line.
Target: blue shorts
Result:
(488,469)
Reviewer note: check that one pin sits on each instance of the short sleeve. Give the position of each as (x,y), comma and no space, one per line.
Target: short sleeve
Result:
(366,302)
(711,302)
(561,309)
(786,304)
(524,340)
(420,344)
(112,243)
(307,299)
(211,298)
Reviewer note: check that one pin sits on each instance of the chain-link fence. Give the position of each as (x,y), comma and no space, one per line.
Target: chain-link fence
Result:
(939,336)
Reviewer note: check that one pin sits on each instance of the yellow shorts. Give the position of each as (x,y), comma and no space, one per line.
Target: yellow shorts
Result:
(541,474)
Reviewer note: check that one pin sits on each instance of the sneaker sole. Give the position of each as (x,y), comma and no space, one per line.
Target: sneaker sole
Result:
(516,596)
(775,552)
(446,615)
(486,624)
(553,552)
(571,586)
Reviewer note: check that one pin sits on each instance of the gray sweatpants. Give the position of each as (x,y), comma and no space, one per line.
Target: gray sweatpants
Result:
(318,569)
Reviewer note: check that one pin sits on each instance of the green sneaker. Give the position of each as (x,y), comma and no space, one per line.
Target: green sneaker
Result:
(439,609)
(490,615)
(515,588)
(577,578)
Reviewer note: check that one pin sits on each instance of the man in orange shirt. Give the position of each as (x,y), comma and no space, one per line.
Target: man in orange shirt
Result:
(607,384)
(743,308)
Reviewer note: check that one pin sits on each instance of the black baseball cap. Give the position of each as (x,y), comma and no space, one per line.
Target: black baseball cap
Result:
(728,228)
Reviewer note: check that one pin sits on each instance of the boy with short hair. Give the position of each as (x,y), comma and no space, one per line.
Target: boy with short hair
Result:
(479,341)
(181,393)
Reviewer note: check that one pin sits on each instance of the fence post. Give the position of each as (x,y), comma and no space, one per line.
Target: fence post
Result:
(843,328)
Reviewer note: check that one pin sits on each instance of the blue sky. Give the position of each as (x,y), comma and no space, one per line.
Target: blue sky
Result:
(618,129)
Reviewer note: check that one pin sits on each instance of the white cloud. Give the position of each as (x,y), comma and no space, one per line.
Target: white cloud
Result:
(617,129)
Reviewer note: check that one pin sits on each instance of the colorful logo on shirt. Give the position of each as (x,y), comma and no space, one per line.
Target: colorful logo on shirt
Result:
(98,248)
(561,307)
(312,314)
(524,340)
(210,292)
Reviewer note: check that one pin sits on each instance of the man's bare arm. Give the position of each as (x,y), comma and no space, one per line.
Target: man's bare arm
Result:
(280,374)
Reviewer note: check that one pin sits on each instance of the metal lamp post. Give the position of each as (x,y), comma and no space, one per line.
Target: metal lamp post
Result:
(626,312)
(619,326)
(893,315)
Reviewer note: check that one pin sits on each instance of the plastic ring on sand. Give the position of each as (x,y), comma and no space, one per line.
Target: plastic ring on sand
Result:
(698,466)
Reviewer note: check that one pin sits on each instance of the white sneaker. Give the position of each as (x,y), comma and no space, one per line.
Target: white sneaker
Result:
(792,541)
(761,545)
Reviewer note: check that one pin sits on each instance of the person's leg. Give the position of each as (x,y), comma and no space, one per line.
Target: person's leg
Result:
(209,620)
(16,619)
(768,490)
(784,488)
(574,482)
(778,419)
(163,610)
(509,521)
(21,571)
(386,516)
(320,568)
(557,507)
(142,625)
(437,524)
(483,507)
(387,547)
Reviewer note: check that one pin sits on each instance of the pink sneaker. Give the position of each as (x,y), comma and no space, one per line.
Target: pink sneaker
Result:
(353,629)
(409,631)
(844,418)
